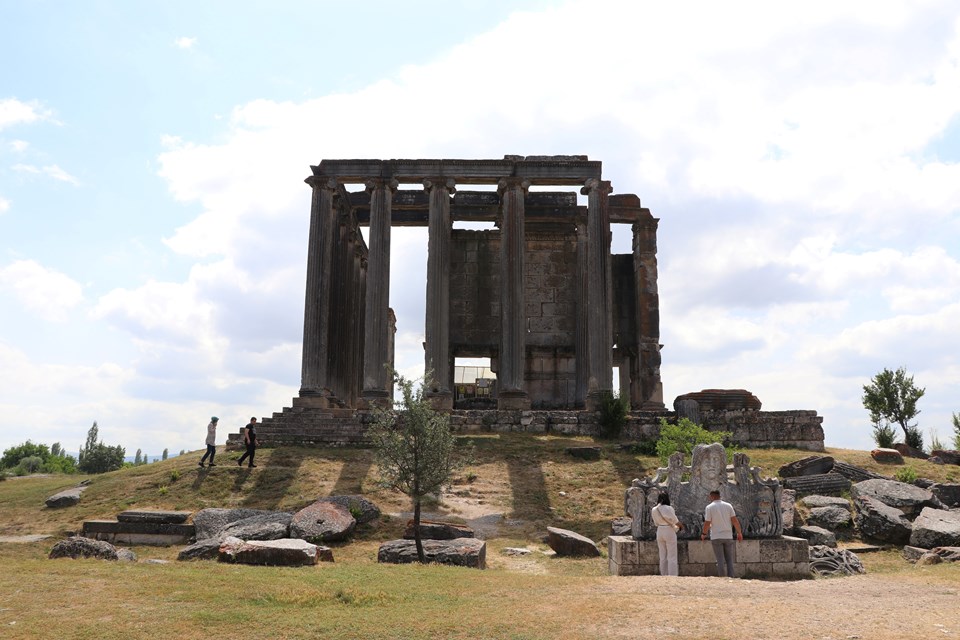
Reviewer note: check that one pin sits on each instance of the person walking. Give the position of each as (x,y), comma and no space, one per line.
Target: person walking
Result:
(250,440)
(211,441)
(719,522)
(667,526)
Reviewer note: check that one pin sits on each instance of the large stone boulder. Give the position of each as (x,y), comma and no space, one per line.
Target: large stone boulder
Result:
(66,498)
(265,526)
(825,561)
(208,523)
(721,400)
(946,493)
(817,535)
(909,452)
(809,466)
(879,522)
(887,456)
(832,517)
(207,549)
(946,456)
(322,522)
(430,530)
(362,510)
(570,543)
(80,547)
(462,552)
(936,528)
(275,553)
(905,497)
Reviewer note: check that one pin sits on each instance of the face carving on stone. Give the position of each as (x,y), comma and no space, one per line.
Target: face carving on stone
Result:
(709,466)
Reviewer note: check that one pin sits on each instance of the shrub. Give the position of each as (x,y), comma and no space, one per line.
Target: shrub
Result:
(30,464)
(613,414)
(884,435)
(684,436)
(914,438)
(905,474)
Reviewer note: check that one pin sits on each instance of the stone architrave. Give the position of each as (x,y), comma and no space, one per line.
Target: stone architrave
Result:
(377,380)
(510,374)
(756,501)
(599,283)
(437,326)
(879,522)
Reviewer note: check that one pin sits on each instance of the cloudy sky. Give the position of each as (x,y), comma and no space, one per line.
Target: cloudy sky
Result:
(803,159)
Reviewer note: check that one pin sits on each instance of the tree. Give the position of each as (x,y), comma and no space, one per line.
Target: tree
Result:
(956,430)
(165,454)
(56,450)
(96,457)
(684,436)
(891,397)
(138,458)
(12,456)
(415,449)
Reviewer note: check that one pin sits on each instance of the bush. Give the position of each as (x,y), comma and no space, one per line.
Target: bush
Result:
(684,436)
(12,456)
(884,435)
(30,464)
(914,438)
(613,414)
(905,474)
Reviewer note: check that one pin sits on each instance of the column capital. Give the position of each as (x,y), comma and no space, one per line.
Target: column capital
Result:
(593,184)
(375,183)
(323,182)
(506,184)
(444,183)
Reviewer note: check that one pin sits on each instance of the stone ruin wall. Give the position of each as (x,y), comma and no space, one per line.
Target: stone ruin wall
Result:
(799,429)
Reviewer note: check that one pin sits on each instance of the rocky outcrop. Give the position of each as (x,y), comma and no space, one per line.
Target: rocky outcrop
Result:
(461,552)
(208,523)
(275,553)
(879,522)
(430,530)
(887,456)
(265,526)
(322,521)
(362,510)
(66,498)
(936,528)
(809,466)
(80,547)
(570,543)
(905,497)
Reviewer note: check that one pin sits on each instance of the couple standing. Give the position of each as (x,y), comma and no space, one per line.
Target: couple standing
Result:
(719,522)
(250,441)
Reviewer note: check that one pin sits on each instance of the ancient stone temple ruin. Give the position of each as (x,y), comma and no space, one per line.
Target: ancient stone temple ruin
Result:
(540,295)
(764,552)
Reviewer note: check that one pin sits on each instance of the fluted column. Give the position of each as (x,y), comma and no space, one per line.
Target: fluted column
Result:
(376,355)
(600,378)
(315,371)
(582,344)
(511,387)
(649,395)
(437,324)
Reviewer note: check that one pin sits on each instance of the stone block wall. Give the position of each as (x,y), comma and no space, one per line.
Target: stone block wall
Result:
(474,291)
(784,558)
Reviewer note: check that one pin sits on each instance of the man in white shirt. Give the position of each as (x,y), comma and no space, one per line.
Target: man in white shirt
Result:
(719,522)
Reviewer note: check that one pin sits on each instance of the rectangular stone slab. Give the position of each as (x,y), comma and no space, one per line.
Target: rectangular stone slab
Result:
(163,517)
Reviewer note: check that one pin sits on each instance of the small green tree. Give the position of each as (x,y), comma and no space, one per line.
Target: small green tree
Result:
(12,456)
(138,458)
(165,454)
(956,430)
(891,397)
(414,448)
(613,414)
(56,450)
(684,436)
(28,465)
(96,457)
(884,435)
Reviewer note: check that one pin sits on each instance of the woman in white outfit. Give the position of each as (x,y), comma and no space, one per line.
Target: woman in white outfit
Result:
(667,527)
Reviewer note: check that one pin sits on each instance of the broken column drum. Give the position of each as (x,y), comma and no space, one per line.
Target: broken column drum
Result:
(539,293)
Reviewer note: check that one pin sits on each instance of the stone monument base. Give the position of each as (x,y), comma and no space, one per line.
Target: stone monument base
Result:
(783,558)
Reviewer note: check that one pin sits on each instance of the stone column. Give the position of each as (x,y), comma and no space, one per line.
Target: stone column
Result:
(315,371)
(582,345)
(600,377)
(648,312)
(437,325)
(376,355)
(512,392)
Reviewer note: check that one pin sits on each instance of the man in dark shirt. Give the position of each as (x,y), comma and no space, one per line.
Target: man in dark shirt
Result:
(249,439)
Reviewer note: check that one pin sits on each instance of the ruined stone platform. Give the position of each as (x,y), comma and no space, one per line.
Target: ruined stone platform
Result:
(784,558)
(157,534)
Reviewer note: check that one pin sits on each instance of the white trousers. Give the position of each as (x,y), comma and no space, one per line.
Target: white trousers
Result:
(667,545)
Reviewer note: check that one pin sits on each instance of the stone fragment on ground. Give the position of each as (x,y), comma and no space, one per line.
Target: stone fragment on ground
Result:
(515,551)
(788,511)
(936,528)
(854,473)
(79,547)
(820,484)
(912,554)
(887,456)
(825,501)
(879,522)
(66,498)
(949,554)
(811,465)
(207,549)
(265,526)
(362,510)
(432,530)
(569,543)
(831,517)
(462,552)
(825,561)
(946,456)
(622,526)
(154,516)
(905,497)
(947,493)
(909,452)
(817,535)
(584,453)
(929,558)
(26,539)
(210,522)
(288,552)
(322,522)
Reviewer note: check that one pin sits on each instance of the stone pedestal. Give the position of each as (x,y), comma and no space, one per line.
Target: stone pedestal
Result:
(784,558)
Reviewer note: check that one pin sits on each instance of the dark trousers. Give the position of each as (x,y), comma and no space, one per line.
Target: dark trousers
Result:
(251,449)
(211,451)
(725,551)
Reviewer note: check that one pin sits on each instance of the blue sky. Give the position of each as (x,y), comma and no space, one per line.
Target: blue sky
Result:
(804,162)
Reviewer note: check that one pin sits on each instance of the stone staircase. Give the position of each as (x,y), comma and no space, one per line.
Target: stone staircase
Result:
(309,426)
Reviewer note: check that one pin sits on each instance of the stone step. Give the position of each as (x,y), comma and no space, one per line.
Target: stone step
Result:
(161,534)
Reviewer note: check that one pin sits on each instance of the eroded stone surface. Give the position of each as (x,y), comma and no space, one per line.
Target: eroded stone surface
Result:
(430,530)
(322,522)
(936,528)
(462,552)
(831,517)
(817,535)
(362,510)
(947,493)
(887,456)
(277,553)
(66,498)
(569,543)
(879,522)
(207,549)
(905,497)
(80,547)
(809,466)
(265,526)
(210,522)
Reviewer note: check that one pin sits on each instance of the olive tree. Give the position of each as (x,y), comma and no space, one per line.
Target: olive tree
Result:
(891,398)
(415,449)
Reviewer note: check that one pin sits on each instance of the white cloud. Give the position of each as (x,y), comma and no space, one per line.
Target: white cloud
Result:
(14,112)
(52,171)
(45,292)
(19,146)
(184,42)
(4,205)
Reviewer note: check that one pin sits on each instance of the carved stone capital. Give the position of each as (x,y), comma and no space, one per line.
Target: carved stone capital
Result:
(506,184)
(375,183)
(593,184)
(448,183)
(323,182)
